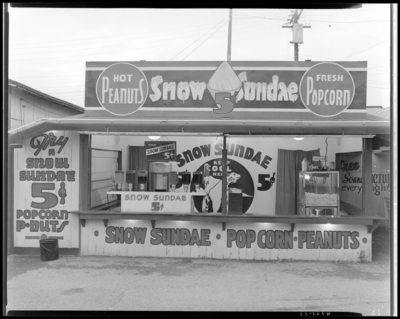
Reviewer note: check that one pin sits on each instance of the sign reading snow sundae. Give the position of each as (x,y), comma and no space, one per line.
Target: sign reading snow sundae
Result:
(324,89)
(247,170)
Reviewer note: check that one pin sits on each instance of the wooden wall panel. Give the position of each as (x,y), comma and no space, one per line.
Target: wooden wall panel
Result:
(102,171)
(96,245)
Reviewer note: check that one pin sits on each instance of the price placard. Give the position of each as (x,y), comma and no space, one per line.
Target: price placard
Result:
(160,151)
(319,158)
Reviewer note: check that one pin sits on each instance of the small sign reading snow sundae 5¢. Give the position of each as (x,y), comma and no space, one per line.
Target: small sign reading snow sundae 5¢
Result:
(122,89)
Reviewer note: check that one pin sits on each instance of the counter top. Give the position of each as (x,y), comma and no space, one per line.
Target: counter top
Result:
(372,222)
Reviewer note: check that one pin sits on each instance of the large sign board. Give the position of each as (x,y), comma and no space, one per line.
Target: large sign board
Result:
(314,90)
(256,241)
(46,188)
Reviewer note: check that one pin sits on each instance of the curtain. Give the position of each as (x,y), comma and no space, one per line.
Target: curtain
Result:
(137,158)
(287,180)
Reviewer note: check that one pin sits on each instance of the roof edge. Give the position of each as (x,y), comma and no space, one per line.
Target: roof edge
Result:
(45,96)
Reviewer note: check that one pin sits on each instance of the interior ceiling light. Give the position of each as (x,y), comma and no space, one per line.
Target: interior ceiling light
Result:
(154,137)
(298,138)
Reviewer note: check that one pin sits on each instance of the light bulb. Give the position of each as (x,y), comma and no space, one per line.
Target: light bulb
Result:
(298,138)
(154,137)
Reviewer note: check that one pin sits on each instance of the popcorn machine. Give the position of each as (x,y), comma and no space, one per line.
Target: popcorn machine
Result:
(319,193)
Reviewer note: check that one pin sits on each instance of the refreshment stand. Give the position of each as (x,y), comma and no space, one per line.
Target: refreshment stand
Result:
(165,210)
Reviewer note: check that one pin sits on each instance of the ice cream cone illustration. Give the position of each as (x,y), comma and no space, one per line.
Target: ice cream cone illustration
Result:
(224,79)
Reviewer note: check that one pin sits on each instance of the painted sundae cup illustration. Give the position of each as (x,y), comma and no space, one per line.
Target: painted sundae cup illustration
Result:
(224,79)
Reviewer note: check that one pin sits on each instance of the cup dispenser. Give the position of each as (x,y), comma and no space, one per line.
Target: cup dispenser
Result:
(119,179)
(130,179)
(197,180)
(186,177)
(141,181)
(173,181)
(159,175)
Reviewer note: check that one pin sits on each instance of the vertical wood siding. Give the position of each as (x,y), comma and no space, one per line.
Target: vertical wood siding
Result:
(96,245)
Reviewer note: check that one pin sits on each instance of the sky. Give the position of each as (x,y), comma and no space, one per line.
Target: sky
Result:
(49,48)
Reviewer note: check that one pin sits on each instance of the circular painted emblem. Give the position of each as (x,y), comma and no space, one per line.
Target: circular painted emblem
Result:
(122,89)
(237,177)
(327,89)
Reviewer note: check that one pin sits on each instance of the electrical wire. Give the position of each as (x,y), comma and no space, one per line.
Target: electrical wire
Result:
(259,17)
(90,45)
(208,193)
(198,38)
(355,11)
(204,41)
(113,36)
(364,49)
(367,21)
(165,38)
(346,31)
(103,52)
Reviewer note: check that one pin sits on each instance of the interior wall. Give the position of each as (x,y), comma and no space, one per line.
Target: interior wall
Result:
(194,151)
(348,144)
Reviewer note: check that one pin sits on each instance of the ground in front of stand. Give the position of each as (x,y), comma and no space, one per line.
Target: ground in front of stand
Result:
(145,284)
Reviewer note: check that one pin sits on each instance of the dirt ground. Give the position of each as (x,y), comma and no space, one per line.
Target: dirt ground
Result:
(172,284)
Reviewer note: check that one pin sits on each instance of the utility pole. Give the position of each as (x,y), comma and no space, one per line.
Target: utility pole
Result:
(224,151)
(230,35)
(297,29)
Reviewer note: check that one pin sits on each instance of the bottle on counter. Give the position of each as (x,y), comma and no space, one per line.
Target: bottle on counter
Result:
(304,165)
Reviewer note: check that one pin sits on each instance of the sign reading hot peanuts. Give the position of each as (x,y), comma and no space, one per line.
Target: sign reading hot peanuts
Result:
(122,89)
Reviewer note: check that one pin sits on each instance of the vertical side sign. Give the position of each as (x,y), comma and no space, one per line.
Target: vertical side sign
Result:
(46,188)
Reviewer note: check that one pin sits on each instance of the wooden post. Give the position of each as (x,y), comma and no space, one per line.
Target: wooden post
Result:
(230,35)
(84,173)
(7,151)
(224,177)
(367,177)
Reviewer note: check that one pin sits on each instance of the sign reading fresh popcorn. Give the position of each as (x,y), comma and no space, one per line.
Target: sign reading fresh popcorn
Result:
(327,89)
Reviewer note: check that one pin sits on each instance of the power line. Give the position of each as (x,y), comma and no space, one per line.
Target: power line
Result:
(89,44)
(86,43)
(352,12)
(354,32)
(112,36)
(49,76)
(102,52)
(198,39)
(365,49)
(376,87)
(367,21)
(245,15)
(370,74)
(203,41)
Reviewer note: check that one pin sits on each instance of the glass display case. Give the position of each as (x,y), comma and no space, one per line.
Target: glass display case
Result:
(319,193)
